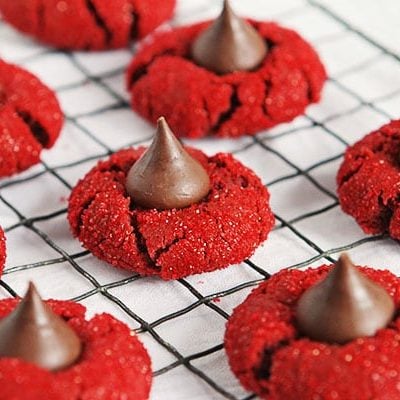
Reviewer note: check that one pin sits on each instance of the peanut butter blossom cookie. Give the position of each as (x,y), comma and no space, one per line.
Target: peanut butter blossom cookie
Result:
(369,181)
(228,77)
(170,211)
(331,332)
(30,119)
(86,24)
(48,350)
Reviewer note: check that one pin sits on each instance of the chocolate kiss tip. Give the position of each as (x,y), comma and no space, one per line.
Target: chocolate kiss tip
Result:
(162,124)
(346,305)
(166,176)
(229,44)
(33,333)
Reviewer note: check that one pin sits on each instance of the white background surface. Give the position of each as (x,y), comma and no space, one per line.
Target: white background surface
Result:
(298,161)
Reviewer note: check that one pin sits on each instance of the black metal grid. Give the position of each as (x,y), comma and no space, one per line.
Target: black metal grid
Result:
(270,145)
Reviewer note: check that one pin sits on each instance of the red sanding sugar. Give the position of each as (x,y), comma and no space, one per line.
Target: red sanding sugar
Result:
(223,229)
(30,119)
(164,81)
(113,364)
(23,381)
(270,357)
(368,181)
(87,24)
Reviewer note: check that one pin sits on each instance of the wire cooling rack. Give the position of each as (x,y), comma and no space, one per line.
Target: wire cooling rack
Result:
(182,323)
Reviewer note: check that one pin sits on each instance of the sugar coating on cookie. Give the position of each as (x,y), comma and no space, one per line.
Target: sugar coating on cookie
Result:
(113,363)
(30,119)
(164,81)
(270,357)
(368,181)
(2,250)
(222,229)
(87,24)
(21,380)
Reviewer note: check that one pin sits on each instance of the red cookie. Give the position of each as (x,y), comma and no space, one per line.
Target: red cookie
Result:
(30,119)
(223,229)
(113,365)
(368,181)
(2,250)
(87,24)
(164,81)
(271,358)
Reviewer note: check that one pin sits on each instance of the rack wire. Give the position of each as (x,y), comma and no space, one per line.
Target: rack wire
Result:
(189,337)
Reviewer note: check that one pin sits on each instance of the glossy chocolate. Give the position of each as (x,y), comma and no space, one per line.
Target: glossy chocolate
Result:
(166,176)
(32,332)
(346,305)
(229,44)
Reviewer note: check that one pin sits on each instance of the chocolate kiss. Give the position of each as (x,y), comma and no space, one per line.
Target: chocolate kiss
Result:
(32,332)
(229,44)
(344,306)
(166,176)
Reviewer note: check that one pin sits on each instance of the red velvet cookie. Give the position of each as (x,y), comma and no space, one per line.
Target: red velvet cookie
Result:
(368,181)
(164,81)
(30,119)
(87,24)
(222,229)
(2,250)
(270,357)
(113,364)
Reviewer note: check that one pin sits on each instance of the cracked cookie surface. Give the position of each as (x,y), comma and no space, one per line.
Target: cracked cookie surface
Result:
(271,358)
(222,229)
(369,181)
(30,119)
(113,364)
(87,24)
(164,81)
